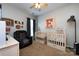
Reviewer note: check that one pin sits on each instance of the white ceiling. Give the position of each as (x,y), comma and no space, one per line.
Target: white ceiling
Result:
(35,12)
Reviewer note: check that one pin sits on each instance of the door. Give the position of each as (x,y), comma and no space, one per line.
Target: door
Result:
(34,27)
(30,27)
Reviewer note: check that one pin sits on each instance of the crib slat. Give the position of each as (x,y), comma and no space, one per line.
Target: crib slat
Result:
(57,40)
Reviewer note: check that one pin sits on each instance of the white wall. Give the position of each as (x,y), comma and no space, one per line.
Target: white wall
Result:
(61,16)
(15,13)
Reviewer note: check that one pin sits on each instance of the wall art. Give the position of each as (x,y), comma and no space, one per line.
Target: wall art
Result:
(49,23)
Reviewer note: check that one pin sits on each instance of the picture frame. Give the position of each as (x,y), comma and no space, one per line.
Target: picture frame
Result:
(9,22)
(49,23)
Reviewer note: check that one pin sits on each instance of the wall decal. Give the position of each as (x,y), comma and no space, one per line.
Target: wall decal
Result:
(19,22)
(17,26)
(22,23)
(21,26)
(15,22)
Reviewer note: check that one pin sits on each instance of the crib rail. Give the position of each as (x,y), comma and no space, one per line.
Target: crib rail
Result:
(56,40)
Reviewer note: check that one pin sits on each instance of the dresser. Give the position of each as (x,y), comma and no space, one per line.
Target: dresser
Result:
(10,48)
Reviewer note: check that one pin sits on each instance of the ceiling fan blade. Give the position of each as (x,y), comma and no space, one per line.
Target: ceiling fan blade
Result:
(43,5)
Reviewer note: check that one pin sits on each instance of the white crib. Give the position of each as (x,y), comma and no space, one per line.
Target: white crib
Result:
(57,39)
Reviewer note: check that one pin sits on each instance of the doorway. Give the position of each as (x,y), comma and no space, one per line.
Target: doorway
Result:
(31,27)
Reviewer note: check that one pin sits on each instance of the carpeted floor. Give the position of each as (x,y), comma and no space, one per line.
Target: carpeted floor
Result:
(38,49)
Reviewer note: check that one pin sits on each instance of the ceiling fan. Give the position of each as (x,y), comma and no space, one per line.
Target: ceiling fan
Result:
(39,6)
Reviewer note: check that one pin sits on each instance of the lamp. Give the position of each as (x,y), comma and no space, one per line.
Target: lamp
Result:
(72,19)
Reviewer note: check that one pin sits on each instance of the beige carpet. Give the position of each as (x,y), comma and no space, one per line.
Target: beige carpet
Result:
(38,49)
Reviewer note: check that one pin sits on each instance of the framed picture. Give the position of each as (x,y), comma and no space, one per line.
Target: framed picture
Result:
(50,23)
(7,29)
(9,22)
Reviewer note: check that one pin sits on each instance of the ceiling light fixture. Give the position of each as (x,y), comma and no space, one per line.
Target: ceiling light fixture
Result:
(39,5)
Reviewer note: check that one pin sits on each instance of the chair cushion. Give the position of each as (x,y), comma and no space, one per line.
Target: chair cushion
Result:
(26,41)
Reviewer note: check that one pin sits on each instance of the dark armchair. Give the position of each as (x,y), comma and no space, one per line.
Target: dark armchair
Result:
(23,38)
